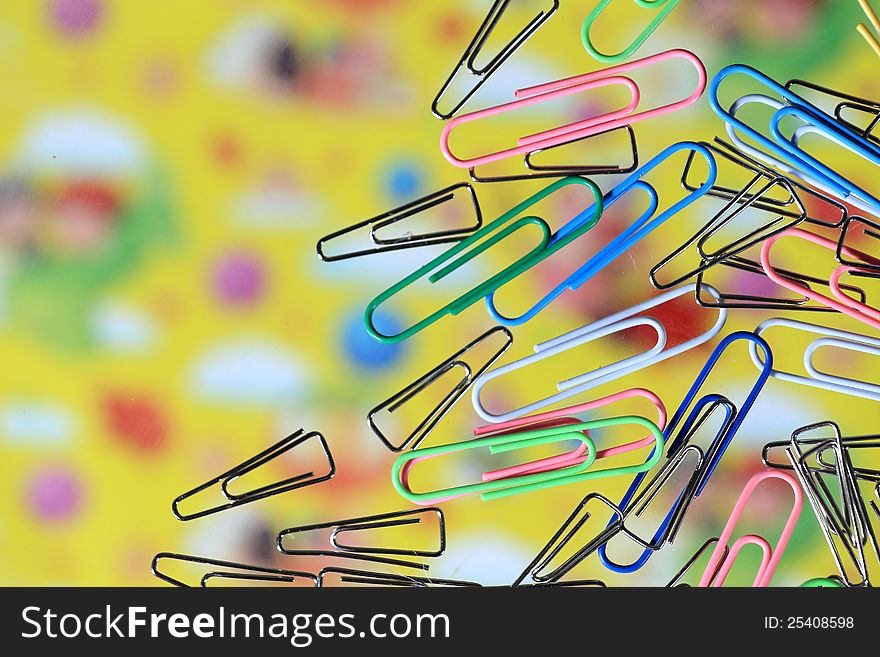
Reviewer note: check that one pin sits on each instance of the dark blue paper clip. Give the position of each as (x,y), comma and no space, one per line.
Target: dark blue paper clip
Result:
(627,239)
(471,247)
(786,150)
(732,422)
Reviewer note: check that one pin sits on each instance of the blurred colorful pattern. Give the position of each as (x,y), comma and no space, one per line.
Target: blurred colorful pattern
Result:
(166,169)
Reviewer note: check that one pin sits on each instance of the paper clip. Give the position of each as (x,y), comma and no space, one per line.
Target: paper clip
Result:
(609,325)
(831,338)
(755,342)
(744,200)
(333,576)
(574,229)
(766,302)
(785,152)
(566,416)
(679,451)
(532,481)
(869,36)
(563,536)
(295,439)
(799,163)
(846,102)
(665,8)
(586,127)
(455,361)
(728,153)
(537,171)
(849,443)
(674,582)
(869,229)
(831,582)
(481,74)
(368,523)
(222,571)
(637,230)
(847,530)
(723,556)
(689,424)
(838,301)
(409,239)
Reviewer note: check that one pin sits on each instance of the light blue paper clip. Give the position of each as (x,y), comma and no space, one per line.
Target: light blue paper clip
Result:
(786,150)
(646,223)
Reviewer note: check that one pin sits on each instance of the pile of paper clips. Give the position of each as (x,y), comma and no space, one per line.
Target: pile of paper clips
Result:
(804,199)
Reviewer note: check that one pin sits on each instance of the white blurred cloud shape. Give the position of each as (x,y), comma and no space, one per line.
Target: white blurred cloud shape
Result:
(249,371)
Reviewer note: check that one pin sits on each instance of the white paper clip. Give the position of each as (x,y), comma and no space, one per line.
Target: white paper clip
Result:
(615,323)
(831,338)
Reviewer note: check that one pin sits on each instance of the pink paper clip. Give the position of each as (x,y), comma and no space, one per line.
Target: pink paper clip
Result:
(721,560)
(579,129)
(840,301)
(560,418)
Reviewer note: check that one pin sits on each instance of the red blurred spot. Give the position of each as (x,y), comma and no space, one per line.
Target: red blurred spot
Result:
(90,194)
(136,423)
(683,319)
(226,150)
(452,27)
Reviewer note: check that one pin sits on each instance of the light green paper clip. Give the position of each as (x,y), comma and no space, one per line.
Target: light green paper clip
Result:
(665,8)
(823,583)
(526,483)
(481,241)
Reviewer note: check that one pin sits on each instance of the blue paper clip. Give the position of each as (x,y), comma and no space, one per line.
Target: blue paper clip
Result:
(482,240)
(627,239)
(808,167)
(718,446)
(827,128)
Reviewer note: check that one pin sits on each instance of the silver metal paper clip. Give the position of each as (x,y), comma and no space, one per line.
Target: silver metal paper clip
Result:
(335,577)
(563,536)
(335,532)
(220,572)
(408,239)
(469,374)
(225,480)
(477,74)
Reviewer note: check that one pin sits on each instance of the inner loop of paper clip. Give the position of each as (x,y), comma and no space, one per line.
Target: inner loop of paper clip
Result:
(809,354)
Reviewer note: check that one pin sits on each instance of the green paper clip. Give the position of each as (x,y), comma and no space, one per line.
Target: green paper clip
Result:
(490,490)
(479,242)
(665,8)
(823,583)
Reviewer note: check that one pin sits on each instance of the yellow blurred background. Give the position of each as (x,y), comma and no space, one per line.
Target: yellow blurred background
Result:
(166,169)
